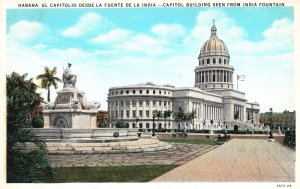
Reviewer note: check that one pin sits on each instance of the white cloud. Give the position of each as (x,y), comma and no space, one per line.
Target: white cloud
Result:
(146,44)
(26,31)
(89,22)
(113,36)
(39,46)
(168,30)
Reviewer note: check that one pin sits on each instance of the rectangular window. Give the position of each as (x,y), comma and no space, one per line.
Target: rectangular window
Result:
(116,114)
(116,103)
(153,91)
(159,103)
(116,92)
(154,103)
(127,92)
(141,103)
(165,103)
(127,103)
(147,113)
(122,103)
(141,91)
(147,103)
(159,92)
(133,113)
(207,61)
(121,92)
(133,91)
(141,113)
(214,60)
(147,91)
(121,113)
(169,103)
(220,60)
(133,103)
(127,113)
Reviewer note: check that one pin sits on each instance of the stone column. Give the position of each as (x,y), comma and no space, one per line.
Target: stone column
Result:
(150,108)
(130,108)
(144,109)
(222,76)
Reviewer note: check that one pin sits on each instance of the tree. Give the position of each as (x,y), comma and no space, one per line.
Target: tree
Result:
(158,114)
(121,124)
(24,164)
(101,120)
(48,79)
(167,114)
(179,116)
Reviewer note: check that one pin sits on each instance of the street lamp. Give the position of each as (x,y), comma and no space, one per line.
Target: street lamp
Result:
(153,127)
(271,114)
(211,124)
(137,120)
(203,124)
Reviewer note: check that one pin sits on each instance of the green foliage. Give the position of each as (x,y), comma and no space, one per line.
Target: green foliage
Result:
(190,140)
(48,79)
(37,122)
(122,124)
(101,121)
(137,173)
(23,165)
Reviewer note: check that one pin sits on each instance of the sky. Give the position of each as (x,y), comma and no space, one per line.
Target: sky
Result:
(116,47)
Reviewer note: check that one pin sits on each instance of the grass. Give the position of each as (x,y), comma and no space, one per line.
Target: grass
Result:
(137,173)
(190,140)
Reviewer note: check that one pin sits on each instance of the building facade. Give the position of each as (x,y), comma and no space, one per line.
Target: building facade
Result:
(214,102)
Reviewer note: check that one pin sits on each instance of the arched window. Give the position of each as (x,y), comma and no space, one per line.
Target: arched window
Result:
(140,125)
(159,125)
(133,125)
(147,125)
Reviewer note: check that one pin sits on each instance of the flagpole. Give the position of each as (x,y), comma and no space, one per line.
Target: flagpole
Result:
(237,83)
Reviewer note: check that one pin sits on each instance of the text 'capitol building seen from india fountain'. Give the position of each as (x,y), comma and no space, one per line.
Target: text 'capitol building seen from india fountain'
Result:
(216,104)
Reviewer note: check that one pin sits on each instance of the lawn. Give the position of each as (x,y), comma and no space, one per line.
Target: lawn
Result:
(190,140)
(137,173)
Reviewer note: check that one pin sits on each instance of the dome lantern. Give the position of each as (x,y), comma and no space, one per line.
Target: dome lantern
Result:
(213,30)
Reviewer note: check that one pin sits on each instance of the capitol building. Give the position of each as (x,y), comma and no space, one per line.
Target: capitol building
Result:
(215,103)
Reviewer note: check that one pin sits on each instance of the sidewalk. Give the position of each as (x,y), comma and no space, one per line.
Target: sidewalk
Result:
(238,160)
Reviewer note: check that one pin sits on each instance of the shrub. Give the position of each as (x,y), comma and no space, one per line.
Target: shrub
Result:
(37,122)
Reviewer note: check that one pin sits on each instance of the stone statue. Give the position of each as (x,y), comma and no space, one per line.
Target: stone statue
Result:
(69,79)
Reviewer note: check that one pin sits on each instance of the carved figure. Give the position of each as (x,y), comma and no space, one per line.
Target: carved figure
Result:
(69,79)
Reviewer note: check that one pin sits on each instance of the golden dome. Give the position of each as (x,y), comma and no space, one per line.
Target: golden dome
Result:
(214,45)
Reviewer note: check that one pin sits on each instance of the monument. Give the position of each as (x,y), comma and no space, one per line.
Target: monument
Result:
(71,108)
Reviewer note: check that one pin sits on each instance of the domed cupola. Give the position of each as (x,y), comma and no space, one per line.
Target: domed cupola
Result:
(214,45)
(214,71)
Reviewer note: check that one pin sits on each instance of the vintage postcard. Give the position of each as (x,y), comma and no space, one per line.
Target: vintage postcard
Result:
(149,93)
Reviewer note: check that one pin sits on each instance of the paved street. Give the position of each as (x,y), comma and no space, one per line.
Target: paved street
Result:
(239,160)
(179,154)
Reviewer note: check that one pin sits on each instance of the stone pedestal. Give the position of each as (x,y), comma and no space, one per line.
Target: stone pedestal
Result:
(70,110)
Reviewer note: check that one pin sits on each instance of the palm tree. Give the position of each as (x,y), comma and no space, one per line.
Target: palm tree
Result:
(179,117)
(24,165)
(159,114)
(167,114)
(48,79)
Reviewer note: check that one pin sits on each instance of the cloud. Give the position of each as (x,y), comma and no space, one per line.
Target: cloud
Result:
(168,30)
(146,44)
(26,32)
(113,36)
(89,22)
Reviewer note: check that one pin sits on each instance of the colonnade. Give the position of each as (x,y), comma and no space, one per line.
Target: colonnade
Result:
(213,76)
